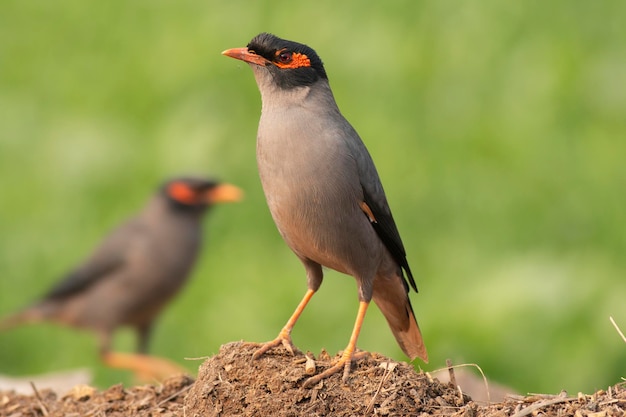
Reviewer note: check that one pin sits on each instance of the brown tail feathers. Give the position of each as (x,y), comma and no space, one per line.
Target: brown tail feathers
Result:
(393,301)
(27,316)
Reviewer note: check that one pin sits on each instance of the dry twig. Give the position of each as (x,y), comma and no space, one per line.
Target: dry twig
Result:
(174,395)
(389,367)
(451,372)
(531,408)
(44,410)
(617,328)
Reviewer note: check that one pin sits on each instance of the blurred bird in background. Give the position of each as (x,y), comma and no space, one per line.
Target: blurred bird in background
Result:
(135,271)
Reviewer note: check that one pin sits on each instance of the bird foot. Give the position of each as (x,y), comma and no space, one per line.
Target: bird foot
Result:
(283,338)
(344,363)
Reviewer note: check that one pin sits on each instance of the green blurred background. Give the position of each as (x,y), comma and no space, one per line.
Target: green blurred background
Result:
(498,129)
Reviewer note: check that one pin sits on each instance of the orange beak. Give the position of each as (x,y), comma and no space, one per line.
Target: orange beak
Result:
(224,193)
(243,54)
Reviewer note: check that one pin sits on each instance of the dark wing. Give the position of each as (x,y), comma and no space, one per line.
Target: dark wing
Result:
(374,197)
(386,229)
(110,256)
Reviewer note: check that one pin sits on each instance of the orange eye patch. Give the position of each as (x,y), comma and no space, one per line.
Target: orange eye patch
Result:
(291,60)
(181,193)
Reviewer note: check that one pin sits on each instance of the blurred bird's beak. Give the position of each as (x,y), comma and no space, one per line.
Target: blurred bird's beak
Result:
(224,193)
(243,54)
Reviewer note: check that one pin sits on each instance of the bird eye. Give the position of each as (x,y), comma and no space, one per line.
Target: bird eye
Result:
(285,57)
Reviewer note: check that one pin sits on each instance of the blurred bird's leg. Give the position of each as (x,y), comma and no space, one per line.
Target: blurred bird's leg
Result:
(348,355)
(143,337)
(284,336)
(145,367)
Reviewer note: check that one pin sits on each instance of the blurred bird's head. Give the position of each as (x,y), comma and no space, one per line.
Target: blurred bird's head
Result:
(288,64)
(196,194)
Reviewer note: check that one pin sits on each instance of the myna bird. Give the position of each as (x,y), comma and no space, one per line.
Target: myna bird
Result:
(324,193)
(134,273)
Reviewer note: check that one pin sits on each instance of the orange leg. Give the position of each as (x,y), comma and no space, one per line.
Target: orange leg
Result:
(348,354)
(145,367)
(284,336)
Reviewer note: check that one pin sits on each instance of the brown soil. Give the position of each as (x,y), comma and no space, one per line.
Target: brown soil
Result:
(231,384)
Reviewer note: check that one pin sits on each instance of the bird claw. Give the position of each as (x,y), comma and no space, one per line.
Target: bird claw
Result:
(288,344)
(283,339)
(344,363)
(314,380)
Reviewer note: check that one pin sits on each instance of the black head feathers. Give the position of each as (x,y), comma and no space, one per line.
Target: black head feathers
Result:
(295,64)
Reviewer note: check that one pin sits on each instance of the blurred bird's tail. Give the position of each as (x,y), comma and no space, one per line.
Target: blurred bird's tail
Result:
(29,315)
(393,300)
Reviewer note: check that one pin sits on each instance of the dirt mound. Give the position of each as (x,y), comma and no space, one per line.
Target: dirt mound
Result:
(231,384)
